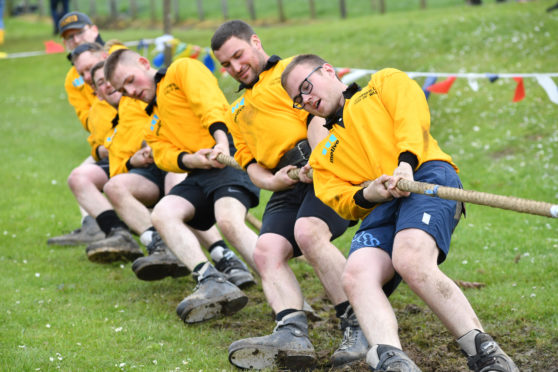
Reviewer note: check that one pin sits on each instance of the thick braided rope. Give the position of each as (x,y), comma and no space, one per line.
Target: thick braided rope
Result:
(228,160)
(451,193)
(482,198)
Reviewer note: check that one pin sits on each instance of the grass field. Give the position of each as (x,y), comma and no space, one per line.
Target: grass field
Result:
(60,312)
(265,11)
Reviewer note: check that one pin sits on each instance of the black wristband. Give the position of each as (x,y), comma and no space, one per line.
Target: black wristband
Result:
(408,157)
(253,161)
(129,165)
(217,126)
(361,201)
(309,119)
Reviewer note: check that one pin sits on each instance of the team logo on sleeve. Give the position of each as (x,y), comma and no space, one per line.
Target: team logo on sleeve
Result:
(109,138)
(330,146)
(168,89)
(239,104)
(78,82)
(237,109)
(154,121)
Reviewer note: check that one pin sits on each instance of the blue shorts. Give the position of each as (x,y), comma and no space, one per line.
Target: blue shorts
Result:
(153,174)
(203,187)
(285,207)
(438,217)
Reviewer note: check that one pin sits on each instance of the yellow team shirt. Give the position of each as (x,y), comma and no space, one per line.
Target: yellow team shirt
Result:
(189,101)
(100,124)
(386,118)
(263,122)
(128,135)
(80,96)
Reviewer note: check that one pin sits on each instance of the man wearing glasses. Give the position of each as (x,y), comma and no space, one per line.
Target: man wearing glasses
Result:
(382,133)
(273,137)
(75,29)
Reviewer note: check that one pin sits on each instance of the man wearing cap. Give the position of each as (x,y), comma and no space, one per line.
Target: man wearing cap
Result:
(76,28)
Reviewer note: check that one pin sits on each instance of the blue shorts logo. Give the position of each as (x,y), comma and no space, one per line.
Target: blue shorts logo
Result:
(364,239)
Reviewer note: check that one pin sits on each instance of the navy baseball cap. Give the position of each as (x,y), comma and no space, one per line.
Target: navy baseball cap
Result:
(72,21)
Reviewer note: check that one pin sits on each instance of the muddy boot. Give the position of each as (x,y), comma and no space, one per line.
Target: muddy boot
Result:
(89,232)
(489,356)
(288,347)
(213,297)
(388,358)
(160,263)
(354,346)
(118,246)
(234,269)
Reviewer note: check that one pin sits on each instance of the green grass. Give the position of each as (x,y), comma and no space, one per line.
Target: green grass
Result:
(266,11)
(59,311)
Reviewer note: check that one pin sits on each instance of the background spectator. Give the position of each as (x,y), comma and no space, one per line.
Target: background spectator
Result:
(56,12)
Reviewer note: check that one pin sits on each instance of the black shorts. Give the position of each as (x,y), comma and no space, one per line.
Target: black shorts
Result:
(285,207)
(153,174)
(203,188)
(104,164)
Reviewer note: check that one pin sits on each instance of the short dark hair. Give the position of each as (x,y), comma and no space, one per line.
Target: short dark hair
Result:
(237,28)
(311,60)
(85,47)
(94,69)
(112,61)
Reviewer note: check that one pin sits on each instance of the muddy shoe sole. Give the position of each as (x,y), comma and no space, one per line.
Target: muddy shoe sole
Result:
(107,255)
(260,357)
(206,310)
(149,271)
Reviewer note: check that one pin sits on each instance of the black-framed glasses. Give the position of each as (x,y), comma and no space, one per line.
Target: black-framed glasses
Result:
(304,88)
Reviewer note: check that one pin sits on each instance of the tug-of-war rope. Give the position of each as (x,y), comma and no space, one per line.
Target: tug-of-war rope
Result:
(511,203)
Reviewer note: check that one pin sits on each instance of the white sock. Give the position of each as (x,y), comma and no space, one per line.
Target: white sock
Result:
(217,253)
(372,358)
(146,237)
(467,342)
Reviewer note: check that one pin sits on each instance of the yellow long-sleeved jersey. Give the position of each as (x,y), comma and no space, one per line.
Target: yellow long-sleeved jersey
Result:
(100,124)
(263,122)
(189,102)
(80,96)
(390,116)
(127,136)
